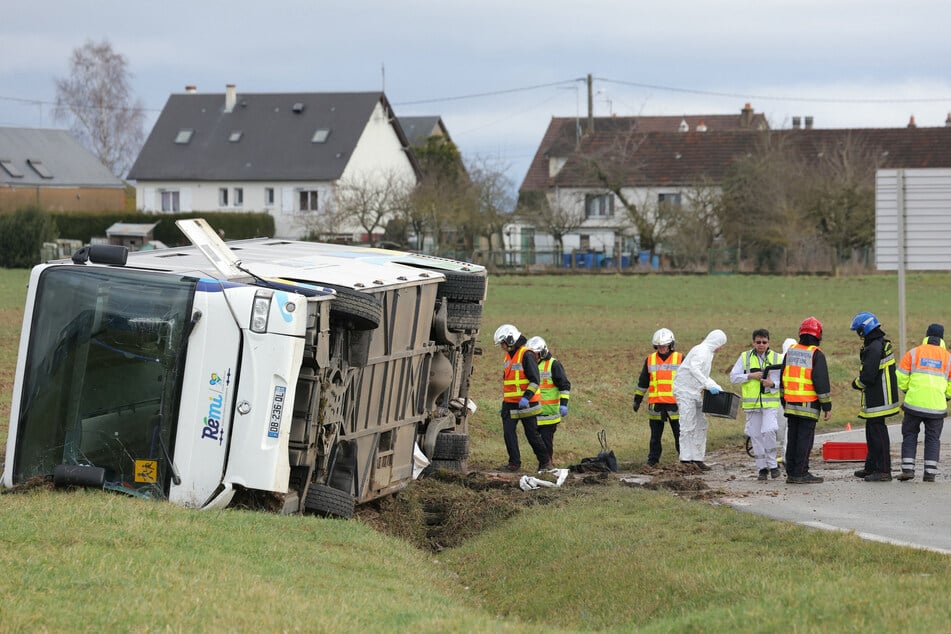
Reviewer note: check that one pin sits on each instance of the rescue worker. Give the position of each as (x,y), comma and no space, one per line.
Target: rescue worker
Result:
(879,385)
(757,369)
(657,382)
(555,390)
(521,400)
(781,432)
(924,375)
(805,392)
(692,378)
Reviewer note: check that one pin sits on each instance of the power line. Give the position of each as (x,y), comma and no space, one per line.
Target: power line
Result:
(770,97)
(488,94)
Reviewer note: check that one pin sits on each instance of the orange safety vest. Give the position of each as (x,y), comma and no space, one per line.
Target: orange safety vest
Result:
(514,382)
(662,373)
(797,375)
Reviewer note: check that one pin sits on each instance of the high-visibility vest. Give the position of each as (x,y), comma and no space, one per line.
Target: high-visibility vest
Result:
(662,373)
(753,395)
(514,382)
(550,395)
(798,390)
(889,404)
(924,374)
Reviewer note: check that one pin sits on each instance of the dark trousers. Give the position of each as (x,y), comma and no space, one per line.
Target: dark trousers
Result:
(879,458)
(910,428)
(530,426)
(657,432)
(547,432)
(800,435)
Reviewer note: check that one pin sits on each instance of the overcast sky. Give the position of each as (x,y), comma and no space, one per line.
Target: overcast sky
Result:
(498,70)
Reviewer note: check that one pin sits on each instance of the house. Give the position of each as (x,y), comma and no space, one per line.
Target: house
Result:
(285,154)
(419,129)
(50,169)
(662,163)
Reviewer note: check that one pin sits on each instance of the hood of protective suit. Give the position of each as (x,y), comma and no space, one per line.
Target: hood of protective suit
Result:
(787,344)
(694,373)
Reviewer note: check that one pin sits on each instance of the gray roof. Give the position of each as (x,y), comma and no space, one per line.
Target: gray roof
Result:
(131,229)
(418,129)
(54,152)
(274,136)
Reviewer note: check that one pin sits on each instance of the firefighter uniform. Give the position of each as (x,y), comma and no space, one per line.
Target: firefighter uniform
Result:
(555,391)
(924,374)
(879,385)
(656,381)
(805,393)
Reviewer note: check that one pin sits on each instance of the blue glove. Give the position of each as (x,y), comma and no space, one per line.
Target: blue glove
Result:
(523,403)
(563,410)
(714,390)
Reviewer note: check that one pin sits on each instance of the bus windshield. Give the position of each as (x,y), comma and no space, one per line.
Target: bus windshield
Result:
(103,375)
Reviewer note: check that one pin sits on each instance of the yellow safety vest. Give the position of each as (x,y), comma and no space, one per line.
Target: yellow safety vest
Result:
(753,395)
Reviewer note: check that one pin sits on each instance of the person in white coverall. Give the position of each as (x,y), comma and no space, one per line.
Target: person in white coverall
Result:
(781,432)
(692,378)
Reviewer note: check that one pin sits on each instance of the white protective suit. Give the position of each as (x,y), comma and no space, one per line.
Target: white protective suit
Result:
(692,378)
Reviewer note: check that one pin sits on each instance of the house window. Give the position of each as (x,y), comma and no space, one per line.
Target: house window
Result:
(672,200)
(11,168)
(599,205)
(184,136)
(235,136)
(320,136)
(170,201)
(268,196)
(39,168)
(222,196)
(584,242)
(308,200)
(238,196)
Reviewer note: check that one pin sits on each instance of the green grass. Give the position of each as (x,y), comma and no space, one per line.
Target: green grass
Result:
(609,558)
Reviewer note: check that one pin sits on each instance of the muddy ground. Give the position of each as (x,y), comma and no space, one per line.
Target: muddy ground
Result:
(443,509)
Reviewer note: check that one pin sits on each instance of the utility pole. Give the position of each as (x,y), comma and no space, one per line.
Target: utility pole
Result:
(590,105)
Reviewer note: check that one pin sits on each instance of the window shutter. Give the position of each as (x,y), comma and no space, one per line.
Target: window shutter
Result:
(185,199)
(148,199)
(287,200)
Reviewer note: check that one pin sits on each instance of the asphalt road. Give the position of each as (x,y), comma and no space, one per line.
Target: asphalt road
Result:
(913,513)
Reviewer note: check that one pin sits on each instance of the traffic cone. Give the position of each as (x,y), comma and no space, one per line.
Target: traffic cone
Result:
(848,427)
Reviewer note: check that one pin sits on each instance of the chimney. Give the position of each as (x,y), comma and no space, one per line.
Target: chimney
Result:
(701,127)
(746,116)
(795,123)
(807,123)
(684,126)
(947,122)
(191,90)
(911,122)
(230,97)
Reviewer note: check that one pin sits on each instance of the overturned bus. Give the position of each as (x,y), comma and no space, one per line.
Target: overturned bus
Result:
(293,375)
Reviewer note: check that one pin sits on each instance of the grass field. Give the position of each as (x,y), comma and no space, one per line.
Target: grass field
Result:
(607,558)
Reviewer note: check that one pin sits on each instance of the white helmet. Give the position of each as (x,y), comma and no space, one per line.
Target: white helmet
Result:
(663,337)
(537,345)
(507,334)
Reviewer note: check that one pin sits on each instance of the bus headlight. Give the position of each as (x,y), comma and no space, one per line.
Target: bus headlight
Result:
(260,310)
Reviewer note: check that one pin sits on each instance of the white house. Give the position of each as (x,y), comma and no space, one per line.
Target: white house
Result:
(285,154)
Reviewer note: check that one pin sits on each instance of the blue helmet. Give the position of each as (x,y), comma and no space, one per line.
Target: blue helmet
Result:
(864,323)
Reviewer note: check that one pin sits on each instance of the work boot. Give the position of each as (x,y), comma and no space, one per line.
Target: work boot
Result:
(791,479)
(510,467)
(906,475)
(700,464)
(878,477)
(546,467)
(861,473)
(808,479)
(763,474)
(774,472)
(928,477)
(651,463)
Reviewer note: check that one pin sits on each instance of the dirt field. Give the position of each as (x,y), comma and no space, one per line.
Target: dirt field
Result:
(444,509)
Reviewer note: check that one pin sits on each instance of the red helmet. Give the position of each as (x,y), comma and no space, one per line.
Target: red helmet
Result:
(811,326)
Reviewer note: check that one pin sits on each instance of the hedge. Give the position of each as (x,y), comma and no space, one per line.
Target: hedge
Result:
(236,226)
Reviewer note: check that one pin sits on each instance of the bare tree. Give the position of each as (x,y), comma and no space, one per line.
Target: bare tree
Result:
(96,98)
(557,215)
(696,227)
(493,194)
(369,200)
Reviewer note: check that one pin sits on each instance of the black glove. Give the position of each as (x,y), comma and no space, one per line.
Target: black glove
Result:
(637,404)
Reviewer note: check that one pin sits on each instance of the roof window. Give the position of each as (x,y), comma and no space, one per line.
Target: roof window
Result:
(235,136)
(10,168)
(184,136)
(39,168)
(320,136)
